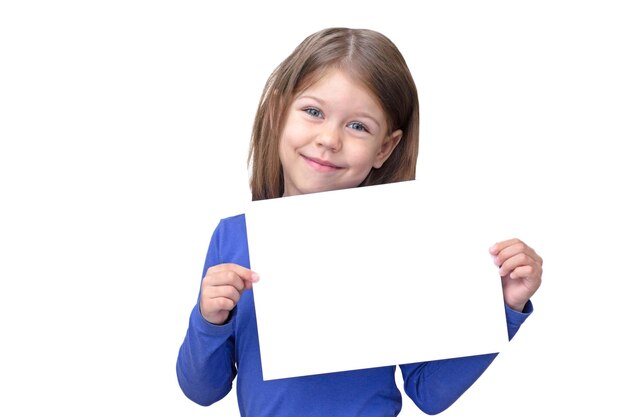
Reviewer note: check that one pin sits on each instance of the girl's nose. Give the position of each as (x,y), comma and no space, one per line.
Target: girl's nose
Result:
(330,137)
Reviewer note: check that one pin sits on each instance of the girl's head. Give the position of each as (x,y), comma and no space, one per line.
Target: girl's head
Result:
(299,99)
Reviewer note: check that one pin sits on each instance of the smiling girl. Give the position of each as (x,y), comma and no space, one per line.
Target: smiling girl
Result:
(341,111)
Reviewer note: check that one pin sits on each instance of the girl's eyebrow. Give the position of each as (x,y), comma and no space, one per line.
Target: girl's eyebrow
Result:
(356,114)
(319,100)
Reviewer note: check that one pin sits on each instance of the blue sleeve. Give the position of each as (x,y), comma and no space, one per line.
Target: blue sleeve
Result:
(434,386)
(206,360)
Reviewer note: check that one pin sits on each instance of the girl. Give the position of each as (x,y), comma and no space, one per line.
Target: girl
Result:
(341,111)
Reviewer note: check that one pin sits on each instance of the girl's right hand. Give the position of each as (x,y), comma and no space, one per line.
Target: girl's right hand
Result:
(221,289)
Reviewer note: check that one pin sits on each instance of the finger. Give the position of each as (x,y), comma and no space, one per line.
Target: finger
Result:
(516,261)
(230,274)
(217,302)
(524,271)
(223,291)
(223,278)
(496,248)
(513,249)
(243,272)
(215,305)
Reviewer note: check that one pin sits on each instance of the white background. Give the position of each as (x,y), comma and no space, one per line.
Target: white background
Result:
(124,129)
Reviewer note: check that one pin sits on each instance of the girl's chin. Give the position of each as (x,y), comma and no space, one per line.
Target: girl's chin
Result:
(312,189)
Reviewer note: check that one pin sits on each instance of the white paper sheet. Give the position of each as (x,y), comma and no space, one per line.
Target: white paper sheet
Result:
(373,276)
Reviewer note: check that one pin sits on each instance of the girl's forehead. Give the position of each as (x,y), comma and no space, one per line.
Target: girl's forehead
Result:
(321,75)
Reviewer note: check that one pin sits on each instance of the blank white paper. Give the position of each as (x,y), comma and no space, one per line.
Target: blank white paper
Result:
(373,276)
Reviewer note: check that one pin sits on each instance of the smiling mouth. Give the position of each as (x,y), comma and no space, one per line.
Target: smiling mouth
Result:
(321,165)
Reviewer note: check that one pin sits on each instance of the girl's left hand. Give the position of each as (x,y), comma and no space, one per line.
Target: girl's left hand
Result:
(520,269)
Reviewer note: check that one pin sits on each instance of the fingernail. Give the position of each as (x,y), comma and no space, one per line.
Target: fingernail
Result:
(255,277)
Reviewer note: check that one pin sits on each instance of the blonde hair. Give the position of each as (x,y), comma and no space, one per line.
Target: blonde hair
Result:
(369,57)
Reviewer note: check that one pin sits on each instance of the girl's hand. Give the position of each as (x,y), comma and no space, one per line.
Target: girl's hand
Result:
(221,289)
(520,269)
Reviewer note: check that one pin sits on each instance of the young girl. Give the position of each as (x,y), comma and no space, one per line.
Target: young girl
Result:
(341,111)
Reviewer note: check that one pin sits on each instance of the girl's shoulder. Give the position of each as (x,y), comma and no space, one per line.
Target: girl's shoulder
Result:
(231,230)
(233,223)
(232,240)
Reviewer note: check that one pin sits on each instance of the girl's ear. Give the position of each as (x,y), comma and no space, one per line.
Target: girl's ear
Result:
(387,147)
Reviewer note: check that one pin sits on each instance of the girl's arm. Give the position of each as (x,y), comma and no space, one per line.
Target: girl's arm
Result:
(206,360)
(434,386)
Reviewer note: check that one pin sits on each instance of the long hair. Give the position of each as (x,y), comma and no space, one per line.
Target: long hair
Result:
(368,57)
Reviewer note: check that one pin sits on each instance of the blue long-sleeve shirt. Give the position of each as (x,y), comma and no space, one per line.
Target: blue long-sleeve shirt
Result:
(212,355)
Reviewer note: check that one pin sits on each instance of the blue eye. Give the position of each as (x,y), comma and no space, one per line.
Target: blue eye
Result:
(357,126)
(313,112)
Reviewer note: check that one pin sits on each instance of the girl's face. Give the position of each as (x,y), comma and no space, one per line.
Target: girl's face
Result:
(335,133)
